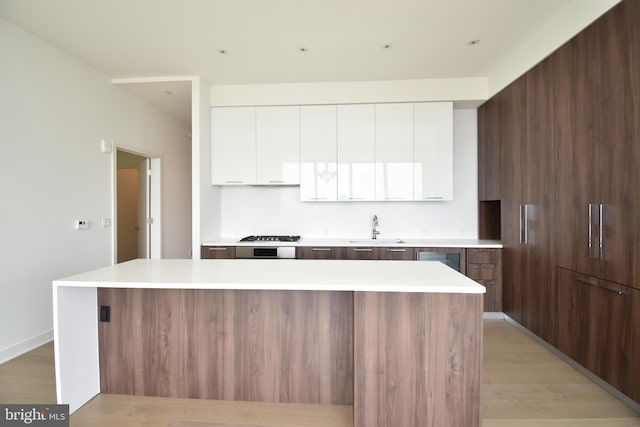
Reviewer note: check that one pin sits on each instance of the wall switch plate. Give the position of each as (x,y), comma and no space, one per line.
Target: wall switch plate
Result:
(82,224)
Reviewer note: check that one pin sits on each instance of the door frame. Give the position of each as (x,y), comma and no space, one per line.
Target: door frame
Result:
(154,191)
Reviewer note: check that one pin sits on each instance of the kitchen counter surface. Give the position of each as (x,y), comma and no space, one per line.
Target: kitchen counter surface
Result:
(266,274)
(361,242)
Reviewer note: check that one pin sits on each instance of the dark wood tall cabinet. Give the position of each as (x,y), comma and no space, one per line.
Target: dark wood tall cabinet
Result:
(524,139)
(598,139)
(570,191)
(538,199)
(511,136)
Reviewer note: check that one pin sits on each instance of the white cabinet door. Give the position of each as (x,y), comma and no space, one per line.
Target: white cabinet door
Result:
(433,151)
(233,146)
(394,151)
(356,155)
(318,153)
(278,145)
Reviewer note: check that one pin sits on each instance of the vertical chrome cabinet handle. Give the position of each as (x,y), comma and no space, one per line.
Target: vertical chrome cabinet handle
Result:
(601,234)
(593,221)
(524,226)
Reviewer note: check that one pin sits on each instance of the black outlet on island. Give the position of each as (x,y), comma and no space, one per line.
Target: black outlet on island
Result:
(105,313)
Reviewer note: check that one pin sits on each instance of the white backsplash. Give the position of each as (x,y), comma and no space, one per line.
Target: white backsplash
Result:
(278,210)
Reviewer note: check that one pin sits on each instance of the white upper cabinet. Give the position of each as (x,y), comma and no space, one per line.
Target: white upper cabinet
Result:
(319,153)
(255,145)
(356,152)
(278,145)
(433,151)
(394,151)
(233,145)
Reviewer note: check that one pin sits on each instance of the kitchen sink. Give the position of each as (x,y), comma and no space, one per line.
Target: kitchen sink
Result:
(377,241)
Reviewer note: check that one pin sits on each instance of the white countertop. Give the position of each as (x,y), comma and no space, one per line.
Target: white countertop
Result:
(279,274)
(361,242)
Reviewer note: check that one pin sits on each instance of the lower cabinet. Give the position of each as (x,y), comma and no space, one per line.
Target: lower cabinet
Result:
(363,253)
(320,252)
(485,267)
(217,252)
(403,254)
(598,326)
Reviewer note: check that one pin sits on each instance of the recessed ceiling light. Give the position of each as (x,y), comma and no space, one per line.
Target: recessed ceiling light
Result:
(223,51)
(474,42)
(303,49)
(168,92)
(386,46)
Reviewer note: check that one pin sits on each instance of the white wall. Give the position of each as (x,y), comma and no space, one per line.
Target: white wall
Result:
(272,210)
(53,113)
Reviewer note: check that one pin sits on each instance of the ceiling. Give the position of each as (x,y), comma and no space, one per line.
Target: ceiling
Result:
(285,41)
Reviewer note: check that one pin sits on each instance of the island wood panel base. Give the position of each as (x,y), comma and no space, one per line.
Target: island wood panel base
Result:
(269,346)
(417,359)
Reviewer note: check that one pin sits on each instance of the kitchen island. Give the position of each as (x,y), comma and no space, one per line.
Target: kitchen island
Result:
(399,341)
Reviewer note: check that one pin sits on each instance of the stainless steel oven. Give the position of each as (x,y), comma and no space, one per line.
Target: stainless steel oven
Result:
(267,247)
(266,252)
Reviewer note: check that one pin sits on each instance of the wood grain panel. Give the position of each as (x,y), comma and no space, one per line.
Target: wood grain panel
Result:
(272,346)
(485,267)
(489,153)
(363,253)
(418,359)
(217,252)
(321,252)
(539,190)
(512,135)
(402,254)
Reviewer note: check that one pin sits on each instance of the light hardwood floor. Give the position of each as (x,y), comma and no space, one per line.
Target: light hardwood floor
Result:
(525,385)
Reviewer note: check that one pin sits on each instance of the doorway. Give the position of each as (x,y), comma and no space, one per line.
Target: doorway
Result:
(137,207)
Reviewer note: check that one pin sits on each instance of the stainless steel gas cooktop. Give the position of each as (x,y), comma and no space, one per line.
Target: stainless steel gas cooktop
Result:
(270,239)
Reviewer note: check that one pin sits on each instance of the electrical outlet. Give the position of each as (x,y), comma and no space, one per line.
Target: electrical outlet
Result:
(105,313)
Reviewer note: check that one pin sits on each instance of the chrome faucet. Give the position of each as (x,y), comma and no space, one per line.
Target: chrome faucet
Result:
(375,232)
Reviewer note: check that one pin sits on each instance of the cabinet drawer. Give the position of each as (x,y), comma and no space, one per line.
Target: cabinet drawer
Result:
(320,252)
(408,254)
(483,271)
(217,252)
(363,253)
(483,256)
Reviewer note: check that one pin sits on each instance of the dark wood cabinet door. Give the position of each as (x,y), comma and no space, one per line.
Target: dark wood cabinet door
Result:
(403,254)
(485,267)
(512,139)
(217,252)
(604,330)
(595,326)
(578,105)
(566,315)
(363,253)
(619,142)
(320,252)
(539,192)
(489,158)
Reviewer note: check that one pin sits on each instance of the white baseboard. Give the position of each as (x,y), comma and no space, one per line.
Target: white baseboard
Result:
(27,345)
(493,315)
(584,371)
